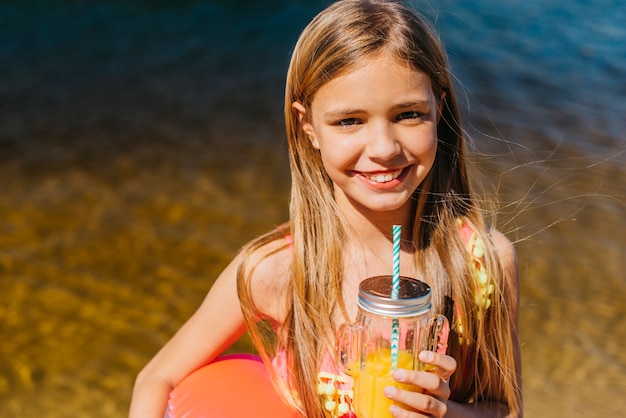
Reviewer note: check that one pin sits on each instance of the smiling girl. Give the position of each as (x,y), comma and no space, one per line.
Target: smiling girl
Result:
(374,140)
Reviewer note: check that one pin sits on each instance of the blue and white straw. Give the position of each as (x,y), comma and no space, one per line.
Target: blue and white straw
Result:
(395,294)
(395,278)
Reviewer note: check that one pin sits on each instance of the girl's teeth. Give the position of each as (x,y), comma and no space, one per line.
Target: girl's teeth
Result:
(383,178)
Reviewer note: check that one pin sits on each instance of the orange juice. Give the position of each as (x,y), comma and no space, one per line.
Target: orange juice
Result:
(369,382)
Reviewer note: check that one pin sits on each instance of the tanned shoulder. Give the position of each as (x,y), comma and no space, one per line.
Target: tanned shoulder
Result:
(269,282)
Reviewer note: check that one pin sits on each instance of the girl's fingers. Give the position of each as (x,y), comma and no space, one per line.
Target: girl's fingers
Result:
(431,389)
(430,383)
(414,404)
(444,366)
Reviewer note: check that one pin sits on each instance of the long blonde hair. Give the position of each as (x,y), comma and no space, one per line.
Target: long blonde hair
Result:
(338,39)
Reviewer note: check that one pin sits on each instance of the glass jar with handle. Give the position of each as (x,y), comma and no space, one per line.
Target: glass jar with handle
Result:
(389,333)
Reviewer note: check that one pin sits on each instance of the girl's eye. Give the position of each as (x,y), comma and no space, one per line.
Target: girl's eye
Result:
(411,115)
(348,122)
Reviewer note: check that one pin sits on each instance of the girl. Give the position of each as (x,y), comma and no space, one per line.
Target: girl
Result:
(374,140)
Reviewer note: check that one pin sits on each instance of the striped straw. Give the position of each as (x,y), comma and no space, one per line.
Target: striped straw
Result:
(395,280)
(395,294)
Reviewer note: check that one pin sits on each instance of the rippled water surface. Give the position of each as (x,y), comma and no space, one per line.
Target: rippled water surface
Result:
(141,144)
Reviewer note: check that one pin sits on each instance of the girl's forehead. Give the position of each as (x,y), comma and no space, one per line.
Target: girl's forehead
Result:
(380,73)
(374,62)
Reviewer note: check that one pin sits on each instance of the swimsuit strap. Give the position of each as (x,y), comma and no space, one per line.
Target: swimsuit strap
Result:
(480,280)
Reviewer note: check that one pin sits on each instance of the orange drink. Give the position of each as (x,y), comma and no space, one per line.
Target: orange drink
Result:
(369,400)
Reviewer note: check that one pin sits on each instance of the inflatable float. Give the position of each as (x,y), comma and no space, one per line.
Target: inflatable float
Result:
(233,386)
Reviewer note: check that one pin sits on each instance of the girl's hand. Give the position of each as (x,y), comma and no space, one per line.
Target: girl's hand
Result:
(432,401)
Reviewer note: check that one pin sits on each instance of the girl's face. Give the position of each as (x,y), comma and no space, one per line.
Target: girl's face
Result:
(376,130)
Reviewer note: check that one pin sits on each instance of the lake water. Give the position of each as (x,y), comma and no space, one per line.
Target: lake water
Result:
(141,144)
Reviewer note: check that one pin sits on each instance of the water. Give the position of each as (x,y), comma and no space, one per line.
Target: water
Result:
(141,145)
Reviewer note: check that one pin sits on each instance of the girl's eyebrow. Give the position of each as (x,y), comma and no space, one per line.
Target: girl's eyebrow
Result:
(355,111)
(342,112)
(415,103)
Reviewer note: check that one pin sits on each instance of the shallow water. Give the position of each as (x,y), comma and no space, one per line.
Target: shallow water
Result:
(141,145)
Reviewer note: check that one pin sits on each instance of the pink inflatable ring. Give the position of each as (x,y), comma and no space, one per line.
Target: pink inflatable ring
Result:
(234,386)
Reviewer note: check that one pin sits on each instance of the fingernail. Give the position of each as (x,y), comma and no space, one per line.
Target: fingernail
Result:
(427,356)
(399,374)
(394,409)
(389,391)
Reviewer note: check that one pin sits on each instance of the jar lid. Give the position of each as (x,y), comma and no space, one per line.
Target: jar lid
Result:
(375,296)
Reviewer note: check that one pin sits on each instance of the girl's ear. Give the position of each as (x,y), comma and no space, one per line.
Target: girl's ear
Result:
(305,121)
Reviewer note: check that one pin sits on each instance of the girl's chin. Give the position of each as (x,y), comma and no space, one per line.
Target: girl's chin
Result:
(384,205)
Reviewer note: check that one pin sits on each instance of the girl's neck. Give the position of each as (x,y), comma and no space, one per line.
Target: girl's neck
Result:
(368,252)
(369,244)
(368,247)
(369,225)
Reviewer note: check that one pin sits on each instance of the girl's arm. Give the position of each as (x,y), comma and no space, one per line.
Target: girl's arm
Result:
(216,324)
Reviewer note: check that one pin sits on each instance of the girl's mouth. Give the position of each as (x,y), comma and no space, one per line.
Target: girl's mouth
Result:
(383,177)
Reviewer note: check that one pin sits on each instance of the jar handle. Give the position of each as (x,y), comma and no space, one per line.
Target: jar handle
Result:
(434,337)
(346,346)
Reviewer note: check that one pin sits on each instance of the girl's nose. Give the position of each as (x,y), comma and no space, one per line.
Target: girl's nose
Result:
(382,142)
